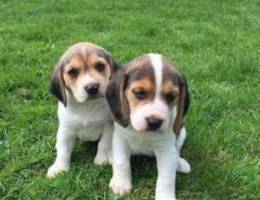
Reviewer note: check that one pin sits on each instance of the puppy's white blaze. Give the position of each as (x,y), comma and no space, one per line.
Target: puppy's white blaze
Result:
(157,108)
(87,79)
(80,92)
(156,61)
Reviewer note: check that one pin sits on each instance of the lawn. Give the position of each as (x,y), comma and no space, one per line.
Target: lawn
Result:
(215,43)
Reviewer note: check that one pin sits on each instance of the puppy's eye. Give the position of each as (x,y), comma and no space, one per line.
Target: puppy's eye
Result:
(73,73)
(140,94)
(100,67)
(169,97)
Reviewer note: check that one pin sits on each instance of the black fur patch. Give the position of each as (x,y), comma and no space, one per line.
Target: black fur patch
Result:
(114,97)
(57,86)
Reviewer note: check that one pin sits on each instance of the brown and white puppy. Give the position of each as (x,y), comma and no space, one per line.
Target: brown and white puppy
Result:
(79,82)
(148,98)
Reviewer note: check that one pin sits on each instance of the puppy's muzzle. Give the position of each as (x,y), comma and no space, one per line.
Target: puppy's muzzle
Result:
(92,89)
(153,123)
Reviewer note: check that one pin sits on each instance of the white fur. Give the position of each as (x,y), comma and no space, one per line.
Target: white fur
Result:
(87,121)
(162,144)
(183,165)
(156,60)
(79,89)
(156,108)
(128,141)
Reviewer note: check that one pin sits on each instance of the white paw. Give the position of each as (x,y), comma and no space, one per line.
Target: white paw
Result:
(120,186)
(55,169)
(165,196)
(183,166)
(103,158)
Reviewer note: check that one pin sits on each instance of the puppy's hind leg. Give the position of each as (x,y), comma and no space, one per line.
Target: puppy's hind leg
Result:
(182,166)
(180,140)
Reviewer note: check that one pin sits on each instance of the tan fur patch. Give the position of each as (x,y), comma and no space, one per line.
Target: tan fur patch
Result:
(92,60)
(139,63)
(145,85)
(169,88)
(77,64)
(84,60)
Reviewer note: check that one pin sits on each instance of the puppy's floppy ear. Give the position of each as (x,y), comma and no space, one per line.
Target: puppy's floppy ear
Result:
(112,63)
(183,105)
(57,86)
(116,97)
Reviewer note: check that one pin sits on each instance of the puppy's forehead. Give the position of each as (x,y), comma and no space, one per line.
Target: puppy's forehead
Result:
(139,69)
(139,62)
(82,51)
(154,67)
(170,73)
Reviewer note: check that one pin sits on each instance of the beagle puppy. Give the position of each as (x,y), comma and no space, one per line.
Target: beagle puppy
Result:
(148,98)
(79,82)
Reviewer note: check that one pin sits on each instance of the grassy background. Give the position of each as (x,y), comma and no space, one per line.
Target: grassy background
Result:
(215,43)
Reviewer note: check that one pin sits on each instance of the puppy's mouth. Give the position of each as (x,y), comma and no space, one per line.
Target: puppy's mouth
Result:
(148,130)
(85,99)
(94,96)
(93,91)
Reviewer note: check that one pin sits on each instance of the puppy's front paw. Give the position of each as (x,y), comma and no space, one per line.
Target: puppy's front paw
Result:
(120,186)
(55,169)
(165,196)
(103,158)
(183,166)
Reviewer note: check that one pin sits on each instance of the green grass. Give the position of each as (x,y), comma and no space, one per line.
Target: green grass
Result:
(215,43)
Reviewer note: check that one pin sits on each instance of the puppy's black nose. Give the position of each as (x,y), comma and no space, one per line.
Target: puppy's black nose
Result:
(92,89)
(154,123)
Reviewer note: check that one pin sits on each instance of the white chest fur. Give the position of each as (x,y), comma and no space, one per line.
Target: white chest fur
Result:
(127,141)
(144,143)
(86,119)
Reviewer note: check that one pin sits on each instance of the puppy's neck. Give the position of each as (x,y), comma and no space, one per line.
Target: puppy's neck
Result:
(95,110)
(132,131)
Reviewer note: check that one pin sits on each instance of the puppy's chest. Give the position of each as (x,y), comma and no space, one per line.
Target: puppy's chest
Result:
(140,145)
(144,143)
(90,132)
(147,143)
(88,121)
(90,129)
